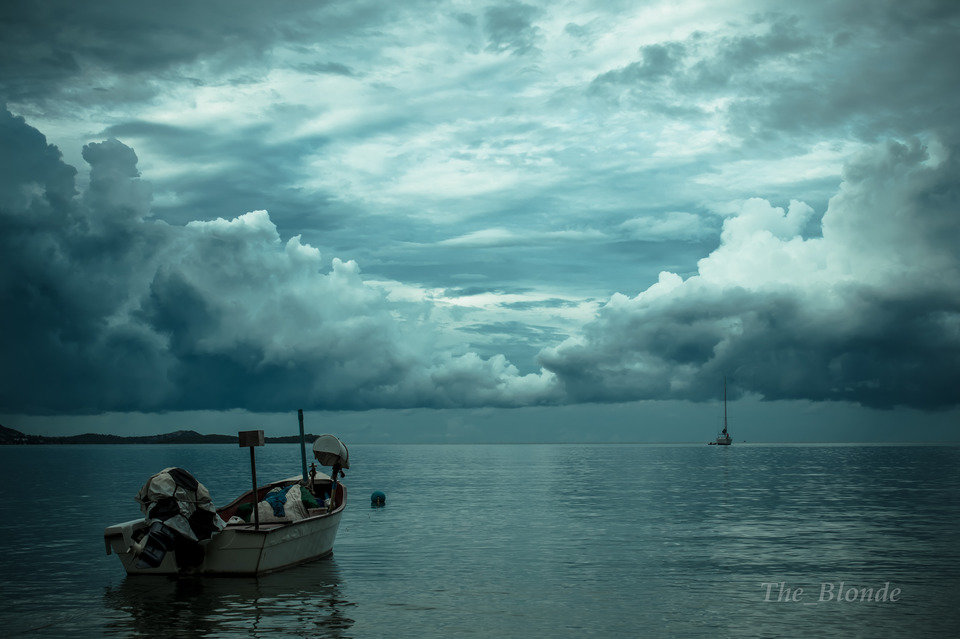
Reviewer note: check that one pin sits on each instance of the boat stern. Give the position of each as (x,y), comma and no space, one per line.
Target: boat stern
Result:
(119,538)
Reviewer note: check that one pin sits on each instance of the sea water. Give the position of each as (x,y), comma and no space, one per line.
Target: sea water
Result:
(515,541)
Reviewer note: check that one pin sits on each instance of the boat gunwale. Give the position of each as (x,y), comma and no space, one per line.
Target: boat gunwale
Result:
(284,525)
(262,491)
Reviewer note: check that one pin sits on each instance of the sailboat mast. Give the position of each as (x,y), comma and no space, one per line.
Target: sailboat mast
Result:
(724,403)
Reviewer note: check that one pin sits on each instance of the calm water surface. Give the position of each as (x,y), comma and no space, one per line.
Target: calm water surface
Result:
(512,541)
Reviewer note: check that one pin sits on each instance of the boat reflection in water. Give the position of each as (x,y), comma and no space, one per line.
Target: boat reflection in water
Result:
(301,601)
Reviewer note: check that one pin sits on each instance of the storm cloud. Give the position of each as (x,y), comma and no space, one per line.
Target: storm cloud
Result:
(869,311)
(107,309)
(499,203)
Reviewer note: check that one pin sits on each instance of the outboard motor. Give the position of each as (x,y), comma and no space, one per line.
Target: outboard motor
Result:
(159,541)
(181,517)
(330,451)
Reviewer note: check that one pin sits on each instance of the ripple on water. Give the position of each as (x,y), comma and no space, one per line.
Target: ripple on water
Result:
(538,540)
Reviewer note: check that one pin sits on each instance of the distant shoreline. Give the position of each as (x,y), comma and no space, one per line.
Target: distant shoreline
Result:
(11,437)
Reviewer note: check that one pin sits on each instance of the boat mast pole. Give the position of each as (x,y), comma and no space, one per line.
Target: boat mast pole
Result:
(303,446)
(251,439)
(724,404)
(256,505)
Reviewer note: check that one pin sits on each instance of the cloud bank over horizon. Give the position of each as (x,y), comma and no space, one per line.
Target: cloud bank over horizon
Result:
(109,309)
(477,203)
(868,311)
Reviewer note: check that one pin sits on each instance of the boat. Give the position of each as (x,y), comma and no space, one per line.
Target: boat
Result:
(724,438)
(201,539)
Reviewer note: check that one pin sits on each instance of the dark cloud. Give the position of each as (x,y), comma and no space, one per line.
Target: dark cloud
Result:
(865,69)
(515,331)
(114,192)
(509,27)
(735,58)
(107,309)
(534,304)
(110,310)
(125,296)
(60,53)
(466,19)
(576,30)
(866,313)
(234,172)
(657,61)
(883,77)
(469,291)
(334,68)
(66,273)
(58,41)
(29,164)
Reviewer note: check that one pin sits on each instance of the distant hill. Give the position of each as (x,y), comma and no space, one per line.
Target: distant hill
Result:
(9,436)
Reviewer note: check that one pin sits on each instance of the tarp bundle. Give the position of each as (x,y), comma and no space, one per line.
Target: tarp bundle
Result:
(287,504)
(175,498)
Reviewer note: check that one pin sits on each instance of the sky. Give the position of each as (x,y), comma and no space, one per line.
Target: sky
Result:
(482,221)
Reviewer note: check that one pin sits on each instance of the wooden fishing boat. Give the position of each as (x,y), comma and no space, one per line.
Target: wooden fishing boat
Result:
(147,547)
(244,548)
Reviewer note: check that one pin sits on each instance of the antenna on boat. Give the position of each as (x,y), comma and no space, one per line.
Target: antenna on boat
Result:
(303,446)
(251,439)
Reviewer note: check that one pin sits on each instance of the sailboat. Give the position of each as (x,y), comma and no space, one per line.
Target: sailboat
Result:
(724,438)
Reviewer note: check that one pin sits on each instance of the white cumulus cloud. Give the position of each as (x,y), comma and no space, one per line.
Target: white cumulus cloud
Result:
(868,312)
